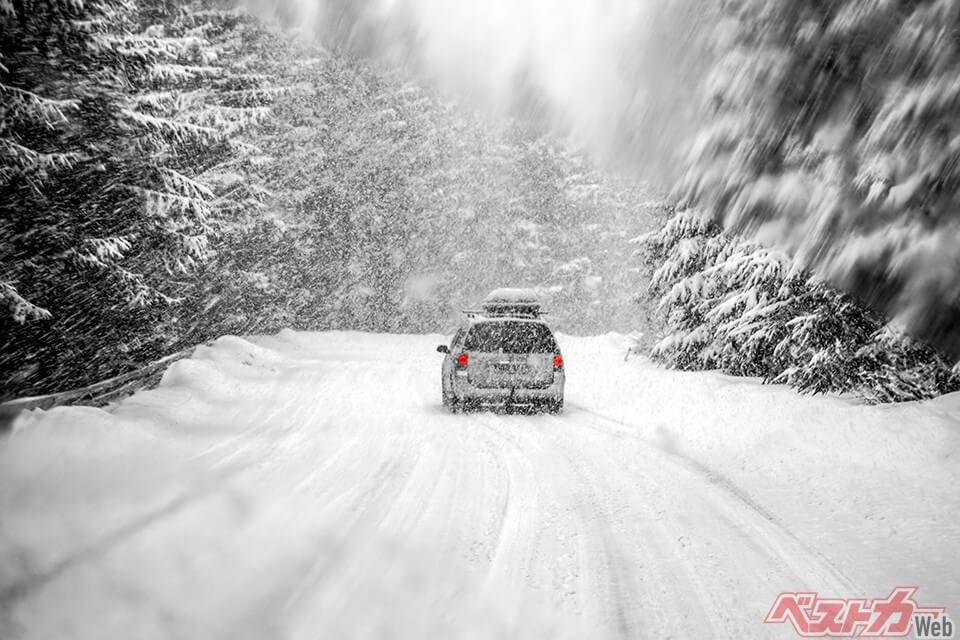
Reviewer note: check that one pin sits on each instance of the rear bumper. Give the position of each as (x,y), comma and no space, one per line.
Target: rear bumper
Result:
(484,395)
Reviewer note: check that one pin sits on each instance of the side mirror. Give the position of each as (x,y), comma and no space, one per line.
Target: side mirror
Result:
(443,349)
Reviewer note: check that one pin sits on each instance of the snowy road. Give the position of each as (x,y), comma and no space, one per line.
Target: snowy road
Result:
(310,486)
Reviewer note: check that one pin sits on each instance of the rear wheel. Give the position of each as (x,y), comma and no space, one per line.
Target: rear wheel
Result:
(554,406)
(449,400)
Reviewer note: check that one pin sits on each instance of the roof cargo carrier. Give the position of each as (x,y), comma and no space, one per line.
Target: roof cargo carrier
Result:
(511,303)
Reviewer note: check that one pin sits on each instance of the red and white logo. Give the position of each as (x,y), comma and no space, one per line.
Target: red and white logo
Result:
(895,616)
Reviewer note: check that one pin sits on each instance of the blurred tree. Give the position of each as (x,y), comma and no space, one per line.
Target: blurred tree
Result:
(832,131)
(105,130)
(747,310)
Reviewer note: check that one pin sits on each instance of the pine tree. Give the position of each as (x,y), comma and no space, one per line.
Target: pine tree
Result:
(747,310)
(104,132)
(831,129)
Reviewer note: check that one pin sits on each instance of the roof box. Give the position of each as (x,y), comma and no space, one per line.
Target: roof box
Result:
(518,303)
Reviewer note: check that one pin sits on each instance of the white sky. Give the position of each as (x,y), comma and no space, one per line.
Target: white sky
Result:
(573,51)
(590,61)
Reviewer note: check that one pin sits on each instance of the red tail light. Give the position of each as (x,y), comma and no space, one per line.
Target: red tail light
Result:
(557,362)
(462,360)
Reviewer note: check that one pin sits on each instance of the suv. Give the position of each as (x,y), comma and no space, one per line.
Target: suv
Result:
(504,355)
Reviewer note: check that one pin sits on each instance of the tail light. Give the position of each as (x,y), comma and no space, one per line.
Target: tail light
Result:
(557,362)
(462,360)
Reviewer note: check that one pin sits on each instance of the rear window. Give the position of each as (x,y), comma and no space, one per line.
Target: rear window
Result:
(511,337)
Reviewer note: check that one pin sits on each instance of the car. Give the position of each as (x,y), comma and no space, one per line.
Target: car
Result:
(504,355)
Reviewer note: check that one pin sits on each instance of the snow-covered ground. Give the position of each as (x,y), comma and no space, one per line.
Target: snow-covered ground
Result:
(311,486)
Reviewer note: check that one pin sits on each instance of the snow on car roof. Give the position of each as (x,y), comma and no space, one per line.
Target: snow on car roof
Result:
(509,303)
(512,296)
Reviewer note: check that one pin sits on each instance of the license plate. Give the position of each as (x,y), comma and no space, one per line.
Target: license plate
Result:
(501,367)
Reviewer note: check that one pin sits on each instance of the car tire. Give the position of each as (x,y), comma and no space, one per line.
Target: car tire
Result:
(554,406)
(449,400)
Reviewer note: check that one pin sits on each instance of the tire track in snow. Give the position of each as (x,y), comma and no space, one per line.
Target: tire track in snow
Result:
(656,545)
(728,487)
(573,490)
(368,509)
(613,514)
(517,530)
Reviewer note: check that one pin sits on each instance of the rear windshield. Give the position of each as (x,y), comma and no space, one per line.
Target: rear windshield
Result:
(510,337)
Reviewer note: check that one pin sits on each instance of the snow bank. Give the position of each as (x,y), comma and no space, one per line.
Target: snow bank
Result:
(874,487)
